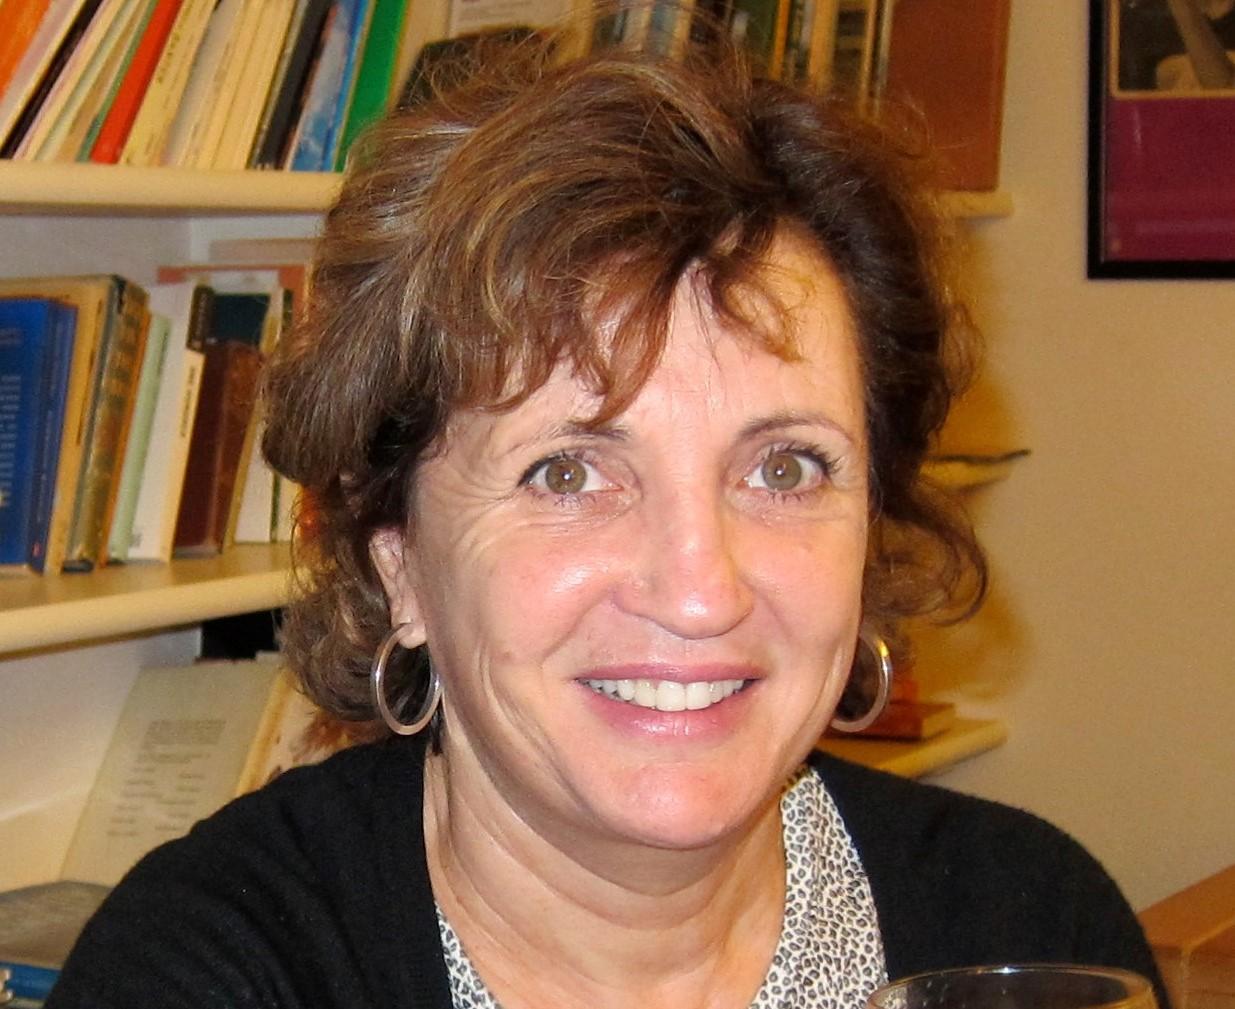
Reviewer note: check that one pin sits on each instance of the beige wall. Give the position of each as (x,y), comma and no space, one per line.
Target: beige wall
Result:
(1109,645)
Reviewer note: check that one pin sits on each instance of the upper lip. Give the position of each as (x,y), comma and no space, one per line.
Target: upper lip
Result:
(705,672)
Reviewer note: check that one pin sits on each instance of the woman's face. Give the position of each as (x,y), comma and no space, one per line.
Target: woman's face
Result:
(642,629)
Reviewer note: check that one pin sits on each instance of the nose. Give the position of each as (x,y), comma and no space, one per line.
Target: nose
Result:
(689,574)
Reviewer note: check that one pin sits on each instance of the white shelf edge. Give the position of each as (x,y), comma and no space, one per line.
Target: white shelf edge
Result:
(75,188)
(41,612)
(45,187)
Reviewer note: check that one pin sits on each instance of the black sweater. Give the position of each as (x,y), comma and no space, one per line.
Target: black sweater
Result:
(314,891)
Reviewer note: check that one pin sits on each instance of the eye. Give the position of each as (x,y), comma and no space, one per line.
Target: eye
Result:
(789,471)
(563,475)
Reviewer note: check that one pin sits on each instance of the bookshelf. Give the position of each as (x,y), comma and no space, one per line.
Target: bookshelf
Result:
(110,190)
(54,610)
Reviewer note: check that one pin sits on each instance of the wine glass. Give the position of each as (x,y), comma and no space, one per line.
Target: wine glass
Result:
(1018,986)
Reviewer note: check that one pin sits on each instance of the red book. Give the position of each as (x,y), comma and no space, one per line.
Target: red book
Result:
(115,129)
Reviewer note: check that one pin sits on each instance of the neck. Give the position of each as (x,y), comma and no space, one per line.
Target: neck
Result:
(550,918)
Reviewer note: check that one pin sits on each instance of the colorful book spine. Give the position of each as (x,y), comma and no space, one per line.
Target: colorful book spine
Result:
(137,76)
(371,95)
(33,375)
(287,97)
(111,410)
(51,74)
(22,18)
(312,152)
(137,445)
(34,60)
(189,306)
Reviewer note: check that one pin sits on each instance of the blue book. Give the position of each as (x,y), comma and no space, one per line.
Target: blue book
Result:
(27,981)
(331,83)
(35,352)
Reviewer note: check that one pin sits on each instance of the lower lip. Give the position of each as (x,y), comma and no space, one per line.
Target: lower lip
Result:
(703,725)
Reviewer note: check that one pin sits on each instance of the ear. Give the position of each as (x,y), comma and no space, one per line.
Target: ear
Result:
(387,550)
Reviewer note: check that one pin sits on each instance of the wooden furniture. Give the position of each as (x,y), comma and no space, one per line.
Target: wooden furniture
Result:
(1193,938)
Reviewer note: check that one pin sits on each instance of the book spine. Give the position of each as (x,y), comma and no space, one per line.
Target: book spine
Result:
(137,445)
(57,385)
(66,79)
(34,59)
(371,95)
(148,135)
(289,99)
(27,981)
(21,24)
(64,136)
(310,154)
(25,332)
(162,478)
(136,34)
(111,409)
(137,76)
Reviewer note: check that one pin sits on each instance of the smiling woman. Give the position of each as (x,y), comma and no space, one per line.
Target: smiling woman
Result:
(611,403)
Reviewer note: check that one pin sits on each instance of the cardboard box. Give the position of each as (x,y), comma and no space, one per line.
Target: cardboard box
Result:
(1193,938)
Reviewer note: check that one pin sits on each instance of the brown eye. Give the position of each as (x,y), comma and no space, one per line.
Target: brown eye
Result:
(565,476)
(781,471)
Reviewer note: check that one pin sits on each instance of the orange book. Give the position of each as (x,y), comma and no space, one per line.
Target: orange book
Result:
(22,19)
(115,129)
(912,720)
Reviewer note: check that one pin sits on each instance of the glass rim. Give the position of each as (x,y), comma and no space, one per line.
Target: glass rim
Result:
(1136,984)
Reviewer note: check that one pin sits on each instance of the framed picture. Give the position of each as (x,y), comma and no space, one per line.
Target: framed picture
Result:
(1162,138)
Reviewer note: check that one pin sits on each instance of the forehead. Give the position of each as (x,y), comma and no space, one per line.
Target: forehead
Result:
(713,371)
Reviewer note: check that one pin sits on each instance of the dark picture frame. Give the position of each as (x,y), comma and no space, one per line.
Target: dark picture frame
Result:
(1161,193)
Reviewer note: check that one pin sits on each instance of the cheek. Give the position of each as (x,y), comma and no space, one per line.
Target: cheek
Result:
(523,592)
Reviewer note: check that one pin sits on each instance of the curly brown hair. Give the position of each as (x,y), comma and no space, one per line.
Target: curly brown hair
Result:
(466,258)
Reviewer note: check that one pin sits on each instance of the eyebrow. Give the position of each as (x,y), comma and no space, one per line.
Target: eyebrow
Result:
(793,418)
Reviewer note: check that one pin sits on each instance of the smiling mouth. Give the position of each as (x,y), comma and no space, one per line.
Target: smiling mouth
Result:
(667,695)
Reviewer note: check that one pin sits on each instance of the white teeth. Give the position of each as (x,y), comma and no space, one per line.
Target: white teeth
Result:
(698,696)
(668,695)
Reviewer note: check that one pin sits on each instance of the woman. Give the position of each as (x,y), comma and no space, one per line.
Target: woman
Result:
(611,402)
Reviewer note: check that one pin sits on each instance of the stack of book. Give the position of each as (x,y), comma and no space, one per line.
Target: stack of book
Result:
(208,84)
(128,418)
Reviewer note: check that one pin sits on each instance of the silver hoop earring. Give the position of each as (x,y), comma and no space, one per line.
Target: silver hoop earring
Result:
(377,673)
(883,686)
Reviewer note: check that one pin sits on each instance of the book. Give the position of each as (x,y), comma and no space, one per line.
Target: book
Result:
(94,298)
(239,134)
(36,346)
(313,149)
(137,444)
(22,18)
(189,739)
(219,104)
(111,410)
(187,306)
(102,107)
(941,50)
(66,136)
(228,394)
(372,91)
(51,73)
(148,135)
(38,927)
(36,54)
(287,91)
(205,77)
(68,83)
(137,76)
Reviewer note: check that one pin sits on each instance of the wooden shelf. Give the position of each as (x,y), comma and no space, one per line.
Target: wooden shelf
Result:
(52,188)
(36,612)
(967,471)
(912,759)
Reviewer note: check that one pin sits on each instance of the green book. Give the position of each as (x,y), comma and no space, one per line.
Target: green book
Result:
(140,427)
(371,92)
